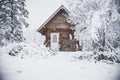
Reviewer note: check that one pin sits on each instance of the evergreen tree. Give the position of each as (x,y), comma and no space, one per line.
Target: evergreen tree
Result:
(12,19)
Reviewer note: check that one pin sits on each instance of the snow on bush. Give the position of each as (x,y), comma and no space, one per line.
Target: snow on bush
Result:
(26,50)
(32,50)
(107,57)
(15,51)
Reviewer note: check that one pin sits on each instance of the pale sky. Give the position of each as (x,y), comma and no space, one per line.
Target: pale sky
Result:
(40,10)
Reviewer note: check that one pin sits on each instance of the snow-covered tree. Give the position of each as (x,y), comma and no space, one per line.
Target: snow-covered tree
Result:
(97,23)
(12,19)
(113,35)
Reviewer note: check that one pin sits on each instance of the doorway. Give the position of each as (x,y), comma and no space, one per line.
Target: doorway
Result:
(54,41)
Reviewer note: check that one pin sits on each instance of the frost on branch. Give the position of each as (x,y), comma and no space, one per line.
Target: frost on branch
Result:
(97,23)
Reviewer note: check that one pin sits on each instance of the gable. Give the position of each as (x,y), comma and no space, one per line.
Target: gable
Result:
(58,20)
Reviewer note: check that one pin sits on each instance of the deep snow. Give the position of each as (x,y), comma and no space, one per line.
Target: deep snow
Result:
(61,66)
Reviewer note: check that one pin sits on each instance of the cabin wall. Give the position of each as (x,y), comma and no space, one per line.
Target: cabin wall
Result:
(66,44)
(59,24)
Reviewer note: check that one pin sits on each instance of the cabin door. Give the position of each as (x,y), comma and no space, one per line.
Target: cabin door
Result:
(55,41)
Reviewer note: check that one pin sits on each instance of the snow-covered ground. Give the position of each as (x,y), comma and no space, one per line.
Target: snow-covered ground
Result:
(35,62)
(61,66)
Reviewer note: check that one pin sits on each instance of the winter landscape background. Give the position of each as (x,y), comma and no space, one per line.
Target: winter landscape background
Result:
(24,57)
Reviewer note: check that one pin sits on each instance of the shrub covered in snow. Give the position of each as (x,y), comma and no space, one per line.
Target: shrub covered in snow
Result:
(26,50)
(108,57)
(15,51)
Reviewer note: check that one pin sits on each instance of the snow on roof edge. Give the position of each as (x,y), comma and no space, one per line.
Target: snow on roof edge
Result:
(61,7)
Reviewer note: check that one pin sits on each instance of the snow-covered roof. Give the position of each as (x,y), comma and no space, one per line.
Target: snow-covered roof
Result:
(60,8)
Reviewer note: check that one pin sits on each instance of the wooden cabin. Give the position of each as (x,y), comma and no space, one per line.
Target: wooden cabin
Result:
(58,31)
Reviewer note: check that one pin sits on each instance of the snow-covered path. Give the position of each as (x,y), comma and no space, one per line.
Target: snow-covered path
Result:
(58,67)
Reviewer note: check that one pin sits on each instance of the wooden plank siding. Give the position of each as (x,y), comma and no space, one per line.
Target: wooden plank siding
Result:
(58,24)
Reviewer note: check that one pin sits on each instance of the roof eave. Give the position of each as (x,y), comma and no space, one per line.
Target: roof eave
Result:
(60,8)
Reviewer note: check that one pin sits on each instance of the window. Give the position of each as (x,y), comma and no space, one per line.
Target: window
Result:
(55,41)
(54,38)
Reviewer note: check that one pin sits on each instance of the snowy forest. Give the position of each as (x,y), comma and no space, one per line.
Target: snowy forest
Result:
(98,23)
(97,30)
